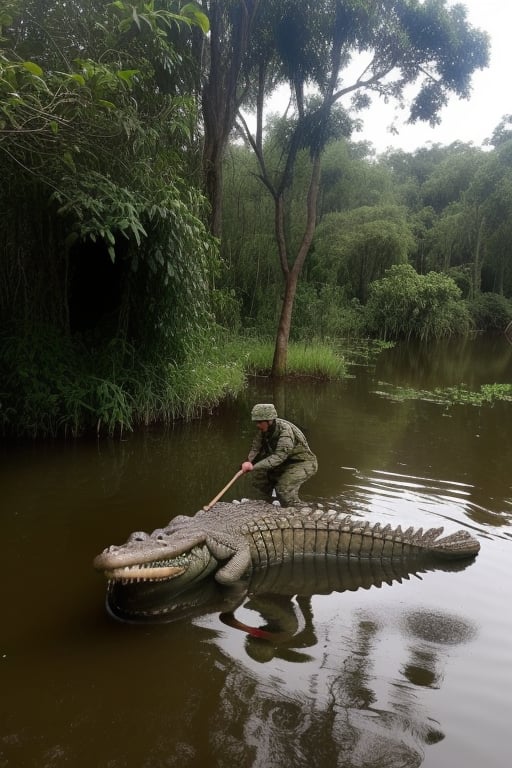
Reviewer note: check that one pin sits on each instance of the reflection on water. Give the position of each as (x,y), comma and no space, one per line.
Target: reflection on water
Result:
(413,672)
(359,695)
(341,695)
(158,601)
(473,361)
(339,704)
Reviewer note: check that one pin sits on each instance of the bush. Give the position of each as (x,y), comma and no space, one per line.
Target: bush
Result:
(490,312)
(52,384)
(404,305)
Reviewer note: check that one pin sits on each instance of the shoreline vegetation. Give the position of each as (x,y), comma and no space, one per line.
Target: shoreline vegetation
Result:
(60,389)
(51,394)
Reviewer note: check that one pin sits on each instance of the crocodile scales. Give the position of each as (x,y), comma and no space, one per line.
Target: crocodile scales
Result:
(231,539)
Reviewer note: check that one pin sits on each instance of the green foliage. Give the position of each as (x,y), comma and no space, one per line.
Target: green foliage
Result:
(350,179)
(99,159)
(53,385)
(51,122)
(449,44)
(355,248)
(463,279)
(428,44)
(249,265)
(169,248)
(226,308)
(446,242)
(318,358)
(99,154)
(451,177)
(322,312)
(405,305)
(158,20)
(490,312)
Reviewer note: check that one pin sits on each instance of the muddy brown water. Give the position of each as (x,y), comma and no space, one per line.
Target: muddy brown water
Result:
(413,673)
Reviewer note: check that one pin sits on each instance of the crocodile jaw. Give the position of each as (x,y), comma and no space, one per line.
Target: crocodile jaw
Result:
(186,567)
(132,573)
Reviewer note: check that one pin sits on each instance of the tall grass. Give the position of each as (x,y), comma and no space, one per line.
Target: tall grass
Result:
(319,359)
(54,385)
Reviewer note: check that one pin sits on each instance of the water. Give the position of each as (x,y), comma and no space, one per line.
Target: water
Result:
(416,672)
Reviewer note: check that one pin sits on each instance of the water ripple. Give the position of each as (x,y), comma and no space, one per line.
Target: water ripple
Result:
(417,500)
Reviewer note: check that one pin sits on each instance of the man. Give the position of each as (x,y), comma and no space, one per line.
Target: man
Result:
(280,457)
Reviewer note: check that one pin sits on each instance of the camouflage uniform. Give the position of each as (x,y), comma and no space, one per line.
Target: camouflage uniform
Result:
(283,460)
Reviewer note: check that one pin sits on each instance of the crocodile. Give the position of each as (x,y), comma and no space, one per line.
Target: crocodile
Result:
(230,540)
(280,585)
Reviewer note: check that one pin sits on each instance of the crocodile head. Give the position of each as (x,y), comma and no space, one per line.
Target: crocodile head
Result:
(167,554)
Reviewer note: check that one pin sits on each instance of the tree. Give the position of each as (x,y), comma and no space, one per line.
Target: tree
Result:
(224,89)
(106,267)
(91,153)
(447,245)
(451,176)
(355,248)
(489,202)
(351,178)
(399,43)
(248,257)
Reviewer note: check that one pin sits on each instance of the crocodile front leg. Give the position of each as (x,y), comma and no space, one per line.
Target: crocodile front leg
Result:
(238,558)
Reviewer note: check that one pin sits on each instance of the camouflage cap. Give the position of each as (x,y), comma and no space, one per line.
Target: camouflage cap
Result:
(263,412)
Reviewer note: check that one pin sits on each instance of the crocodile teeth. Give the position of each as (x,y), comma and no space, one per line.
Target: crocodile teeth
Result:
(136,573)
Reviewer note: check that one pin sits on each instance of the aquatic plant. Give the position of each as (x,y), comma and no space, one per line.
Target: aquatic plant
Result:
(487,394)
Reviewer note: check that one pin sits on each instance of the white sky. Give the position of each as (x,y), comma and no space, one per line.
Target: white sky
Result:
(461,120)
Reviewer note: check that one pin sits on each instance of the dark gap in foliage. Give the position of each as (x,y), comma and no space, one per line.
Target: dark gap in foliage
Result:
(96,285)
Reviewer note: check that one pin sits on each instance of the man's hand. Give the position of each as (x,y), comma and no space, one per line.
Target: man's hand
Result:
(247,466)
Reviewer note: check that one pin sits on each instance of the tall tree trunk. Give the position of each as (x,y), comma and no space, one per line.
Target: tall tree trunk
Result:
(230,34)
(213,154)
(285,323)
(291,275)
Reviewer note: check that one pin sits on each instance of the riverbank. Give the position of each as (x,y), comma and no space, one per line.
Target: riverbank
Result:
(56,387)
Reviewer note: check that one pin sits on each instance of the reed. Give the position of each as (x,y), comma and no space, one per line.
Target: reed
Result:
(316,359)
(54,385)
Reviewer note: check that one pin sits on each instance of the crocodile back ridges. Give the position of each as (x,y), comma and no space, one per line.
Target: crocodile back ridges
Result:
(286,533)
